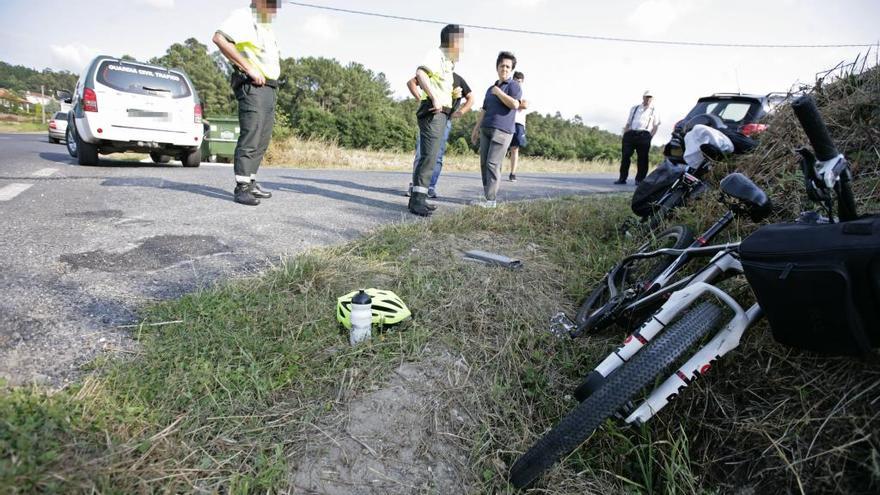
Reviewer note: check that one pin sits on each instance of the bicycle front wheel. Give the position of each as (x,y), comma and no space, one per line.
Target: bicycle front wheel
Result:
(593,313)
(620,387)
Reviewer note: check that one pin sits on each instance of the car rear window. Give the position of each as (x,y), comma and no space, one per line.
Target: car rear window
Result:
(143,80)
(60,116)
(730,111)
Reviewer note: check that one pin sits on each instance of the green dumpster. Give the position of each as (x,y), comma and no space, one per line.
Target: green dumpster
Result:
(221,134)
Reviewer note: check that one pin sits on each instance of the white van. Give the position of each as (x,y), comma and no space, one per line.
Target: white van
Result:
(120,106)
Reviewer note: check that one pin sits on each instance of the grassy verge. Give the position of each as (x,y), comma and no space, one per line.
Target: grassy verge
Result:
(318,154)
(229,384)
(21,127)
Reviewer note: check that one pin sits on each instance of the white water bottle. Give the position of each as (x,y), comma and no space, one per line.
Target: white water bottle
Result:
(361,318)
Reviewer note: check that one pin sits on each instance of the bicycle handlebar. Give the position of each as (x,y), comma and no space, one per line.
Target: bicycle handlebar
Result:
(811,120)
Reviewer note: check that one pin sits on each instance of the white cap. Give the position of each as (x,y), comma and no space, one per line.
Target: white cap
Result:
(648,93)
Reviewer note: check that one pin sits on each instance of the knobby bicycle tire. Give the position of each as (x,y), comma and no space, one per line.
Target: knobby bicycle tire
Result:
(620,387)
(593,307)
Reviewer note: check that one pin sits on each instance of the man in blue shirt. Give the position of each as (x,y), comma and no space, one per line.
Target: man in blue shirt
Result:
(496,124)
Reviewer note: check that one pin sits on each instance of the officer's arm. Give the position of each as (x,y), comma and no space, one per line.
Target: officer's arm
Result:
(413,86)
(422,76)
(229,51)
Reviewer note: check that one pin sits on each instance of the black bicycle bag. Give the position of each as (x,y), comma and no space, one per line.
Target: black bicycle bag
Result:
(654,186)
(818,284)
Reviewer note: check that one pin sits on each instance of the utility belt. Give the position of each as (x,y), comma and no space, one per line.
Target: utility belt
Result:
(426,109)
(239,79)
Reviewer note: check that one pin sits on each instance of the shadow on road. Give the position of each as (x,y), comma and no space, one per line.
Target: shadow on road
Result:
(66,159)
(159,183)
(339,196)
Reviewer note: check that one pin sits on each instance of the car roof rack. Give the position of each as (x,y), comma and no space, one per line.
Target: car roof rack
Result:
(735,94)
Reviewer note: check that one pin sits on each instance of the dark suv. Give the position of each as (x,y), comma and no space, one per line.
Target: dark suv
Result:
(737,111)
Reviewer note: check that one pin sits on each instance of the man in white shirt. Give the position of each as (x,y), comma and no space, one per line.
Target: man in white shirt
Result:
(641,125)
(519,135)
(246,38)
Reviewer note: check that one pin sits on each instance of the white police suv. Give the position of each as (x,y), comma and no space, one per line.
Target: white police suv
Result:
(121,106)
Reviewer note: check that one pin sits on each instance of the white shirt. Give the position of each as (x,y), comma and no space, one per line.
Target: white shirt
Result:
(520,116)
(439,69)
(255,40)
(643,119)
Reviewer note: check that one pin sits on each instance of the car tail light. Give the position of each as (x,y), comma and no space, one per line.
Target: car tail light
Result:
(750,129)
(52,125)
(90,100)
(197,111)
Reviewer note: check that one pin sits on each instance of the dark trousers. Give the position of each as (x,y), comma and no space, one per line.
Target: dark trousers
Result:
(640,142)
(432,131)
(256,117)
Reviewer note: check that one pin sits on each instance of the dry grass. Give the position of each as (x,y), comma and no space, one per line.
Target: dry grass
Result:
(301,153)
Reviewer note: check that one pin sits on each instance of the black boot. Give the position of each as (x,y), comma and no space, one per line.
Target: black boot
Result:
(418,205)
(243,194)
(259,192)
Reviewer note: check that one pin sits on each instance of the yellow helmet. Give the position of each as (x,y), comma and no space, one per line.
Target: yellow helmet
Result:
(387,308)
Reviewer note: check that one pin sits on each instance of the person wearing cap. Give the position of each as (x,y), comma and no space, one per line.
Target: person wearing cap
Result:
(435,78)
(246,38)
(641,125)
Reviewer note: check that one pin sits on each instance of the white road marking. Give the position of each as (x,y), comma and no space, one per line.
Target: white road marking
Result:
(13,190)
(46,172)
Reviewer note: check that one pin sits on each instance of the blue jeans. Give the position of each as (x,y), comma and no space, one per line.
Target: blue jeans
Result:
(438,167)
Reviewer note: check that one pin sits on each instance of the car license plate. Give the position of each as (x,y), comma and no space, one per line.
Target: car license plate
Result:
(134,112)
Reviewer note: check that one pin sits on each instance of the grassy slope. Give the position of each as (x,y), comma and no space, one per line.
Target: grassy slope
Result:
(224,398)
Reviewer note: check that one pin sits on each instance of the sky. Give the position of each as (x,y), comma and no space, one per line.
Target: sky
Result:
(597,80)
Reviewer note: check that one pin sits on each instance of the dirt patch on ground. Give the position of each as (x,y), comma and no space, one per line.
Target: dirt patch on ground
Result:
(399,439)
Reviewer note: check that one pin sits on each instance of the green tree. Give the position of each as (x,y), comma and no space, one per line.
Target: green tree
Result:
(213,87)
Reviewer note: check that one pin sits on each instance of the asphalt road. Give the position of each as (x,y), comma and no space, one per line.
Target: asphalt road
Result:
(84,247)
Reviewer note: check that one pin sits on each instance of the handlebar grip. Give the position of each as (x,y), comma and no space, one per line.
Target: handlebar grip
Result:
(810,119)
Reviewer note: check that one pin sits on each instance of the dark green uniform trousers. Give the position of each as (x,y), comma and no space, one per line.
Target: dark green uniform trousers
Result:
(432,130)
(256,117)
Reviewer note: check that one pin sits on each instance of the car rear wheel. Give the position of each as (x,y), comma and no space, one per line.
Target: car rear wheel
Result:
(159,157)
(192,158)
(86,153)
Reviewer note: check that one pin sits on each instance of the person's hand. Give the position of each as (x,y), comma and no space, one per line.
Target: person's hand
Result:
(497,91)
(436,108)
(456,93)
(256,78)
(457,114)
(475,136)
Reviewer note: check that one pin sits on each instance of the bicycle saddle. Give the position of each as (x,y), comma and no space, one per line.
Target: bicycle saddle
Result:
(757,204)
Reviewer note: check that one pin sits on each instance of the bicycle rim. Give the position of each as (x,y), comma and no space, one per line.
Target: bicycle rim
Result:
(594,312)
(643,369)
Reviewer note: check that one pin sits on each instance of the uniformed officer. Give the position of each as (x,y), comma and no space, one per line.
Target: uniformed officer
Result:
(246,38)
(435,78)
